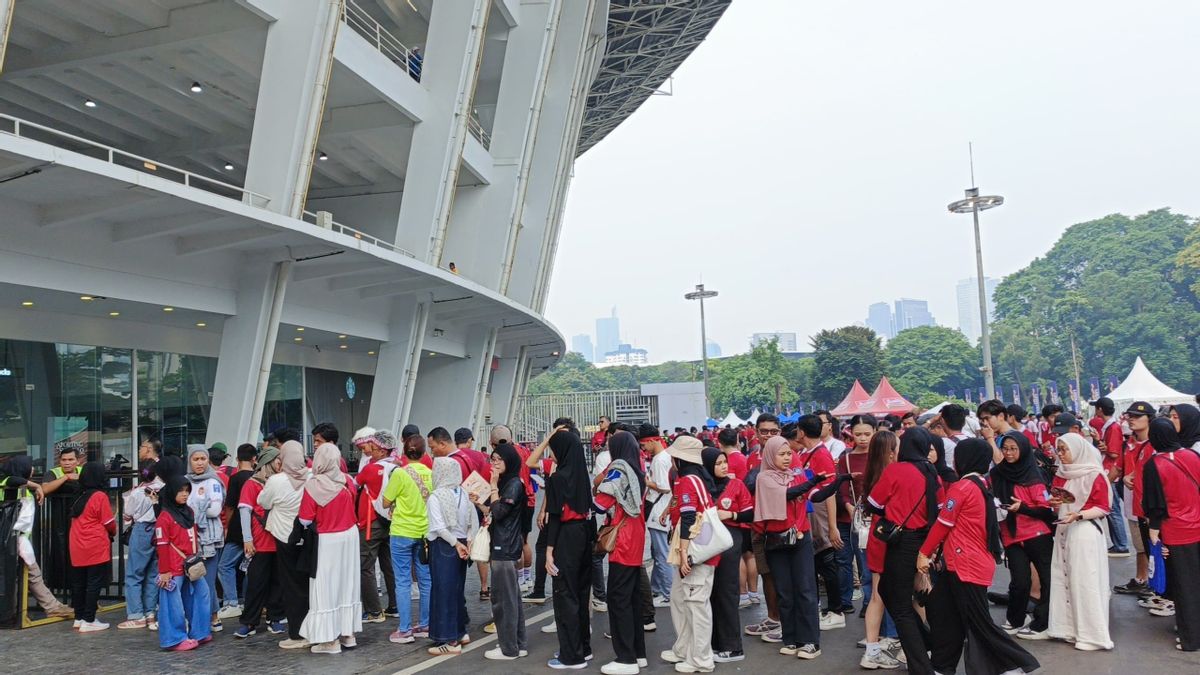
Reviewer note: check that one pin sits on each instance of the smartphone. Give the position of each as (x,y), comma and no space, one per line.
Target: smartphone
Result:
(171,585)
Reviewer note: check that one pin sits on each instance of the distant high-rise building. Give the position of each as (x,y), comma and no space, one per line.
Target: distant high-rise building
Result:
(627,355)
(967,292)
(879,319)
(713,350)
(787,341)
(608,335)
(911,313)
(582,344)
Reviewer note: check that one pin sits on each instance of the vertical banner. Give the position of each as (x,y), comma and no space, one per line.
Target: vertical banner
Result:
(967,395)
(1016,394)
(1052,387)
(1112,383)
(1095,386)
(950,394)
(1073,390)
(1035,395)
(982,394)
(1000,393)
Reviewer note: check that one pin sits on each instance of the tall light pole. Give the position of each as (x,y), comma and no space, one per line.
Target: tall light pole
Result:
(700,294)
(973,204)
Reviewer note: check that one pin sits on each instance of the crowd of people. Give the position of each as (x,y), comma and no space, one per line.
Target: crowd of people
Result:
(908,516)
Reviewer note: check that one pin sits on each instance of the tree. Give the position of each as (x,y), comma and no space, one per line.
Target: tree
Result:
(747,380)
(931,359)
(841,356)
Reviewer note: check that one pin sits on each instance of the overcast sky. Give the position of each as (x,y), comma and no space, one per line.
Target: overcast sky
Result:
(803,165)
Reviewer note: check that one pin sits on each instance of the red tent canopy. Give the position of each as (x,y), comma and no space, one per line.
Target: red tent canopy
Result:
(885,400)
(850,405)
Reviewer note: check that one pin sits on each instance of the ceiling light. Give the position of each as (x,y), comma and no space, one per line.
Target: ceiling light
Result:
(341,337)
(322,157)
(27,303)
(168,309)
(300,329)
(432,354)
(228,166)
(86,298)
(114,314)
(298,339)
(553,353)
(89,103)
(196,88)
(370,353)
(200,324)
(342,347)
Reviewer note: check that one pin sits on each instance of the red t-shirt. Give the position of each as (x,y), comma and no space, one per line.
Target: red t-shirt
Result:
(901,491)
(168,532)
(688,498)
(753,461)
(473,460)
(962,523)
(371,480)
(736,498)
(631,538)
(797,512)
(91,533)
(1028,527)
(336,516)
(523,453)
(1135,458)
(851,492)
(263,541)
(1049,438)
(819,461)
(570,515)
(1182,524)
(737,464)
(1097,496)
(598,439)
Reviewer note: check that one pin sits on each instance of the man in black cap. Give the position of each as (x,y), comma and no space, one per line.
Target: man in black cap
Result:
(407,431)
(1137,453)
(1112,446)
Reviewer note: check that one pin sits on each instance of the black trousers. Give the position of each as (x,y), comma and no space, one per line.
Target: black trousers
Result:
(539,565)
(624,616)
(831,574)
(727,633)
(85,590)
(598,588)
(1039,551)
(896,589)
(378,547)
(958,612)
(796,591)
(1183,568)
(573,557)
(262,590)
(645,597)
(293,586)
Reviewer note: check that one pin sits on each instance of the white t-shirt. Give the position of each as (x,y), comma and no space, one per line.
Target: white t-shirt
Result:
(660,475)
(602,461)
(835,447)
(282,503)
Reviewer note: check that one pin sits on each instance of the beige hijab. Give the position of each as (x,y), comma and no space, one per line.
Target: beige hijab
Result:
(770,490)
(293,463)
(327,480)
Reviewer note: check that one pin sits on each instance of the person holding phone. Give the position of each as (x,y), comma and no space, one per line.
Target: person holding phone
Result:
(183,605)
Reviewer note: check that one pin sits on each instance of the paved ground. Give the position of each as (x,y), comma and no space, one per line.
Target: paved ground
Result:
(1144,644)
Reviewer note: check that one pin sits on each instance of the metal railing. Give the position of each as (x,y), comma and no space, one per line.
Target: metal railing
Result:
(61,139)
(477,130)
(389,45)
(535,413)
(313,218)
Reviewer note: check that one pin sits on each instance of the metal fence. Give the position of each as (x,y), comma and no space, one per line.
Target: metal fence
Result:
(535,413)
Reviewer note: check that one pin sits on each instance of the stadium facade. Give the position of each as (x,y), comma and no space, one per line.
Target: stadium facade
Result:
(225,215)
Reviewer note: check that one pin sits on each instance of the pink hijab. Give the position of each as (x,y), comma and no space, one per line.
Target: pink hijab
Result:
(327,480)
(770,490)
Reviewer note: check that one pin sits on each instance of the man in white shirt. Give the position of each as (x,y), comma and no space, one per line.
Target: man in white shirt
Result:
(658,484)
(830,434)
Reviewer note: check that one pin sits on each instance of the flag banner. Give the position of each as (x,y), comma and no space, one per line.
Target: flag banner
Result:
(967,395)
(1052,387)
(1000,393)
(950,394)
(1035,393)
(1017,394)
(1095,386)
(1073,390)
(1112,383)
(982,394)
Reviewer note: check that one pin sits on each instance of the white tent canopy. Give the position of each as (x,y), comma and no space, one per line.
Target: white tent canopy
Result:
(754,416)
(731,420)
(1142,385)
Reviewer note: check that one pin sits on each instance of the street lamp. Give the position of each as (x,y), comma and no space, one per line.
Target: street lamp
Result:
(700,294)
(973,204)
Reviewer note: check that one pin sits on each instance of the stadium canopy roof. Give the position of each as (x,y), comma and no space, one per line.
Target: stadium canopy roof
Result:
(647,41)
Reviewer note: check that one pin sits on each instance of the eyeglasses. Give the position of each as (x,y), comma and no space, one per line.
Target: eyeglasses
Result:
(768,432)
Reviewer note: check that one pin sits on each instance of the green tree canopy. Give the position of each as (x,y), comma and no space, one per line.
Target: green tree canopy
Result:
(746,380)
(931,359)
(841,356)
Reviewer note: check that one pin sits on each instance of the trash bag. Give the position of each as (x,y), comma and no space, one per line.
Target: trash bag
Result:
(10,566)
(1158,580)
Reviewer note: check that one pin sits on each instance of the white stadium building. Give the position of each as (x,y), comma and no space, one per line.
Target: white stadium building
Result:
(225,216)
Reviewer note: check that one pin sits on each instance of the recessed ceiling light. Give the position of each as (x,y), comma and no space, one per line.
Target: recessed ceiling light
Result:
(89,103)
(86,298)
(114,314)
(342,347)
(370,353)
(168,309)
(298,339)
(27,303)
(341,337)
(200,324)
(553,353)
(322,157)
(196,88)
(300,329)
(432,354)
(228,166)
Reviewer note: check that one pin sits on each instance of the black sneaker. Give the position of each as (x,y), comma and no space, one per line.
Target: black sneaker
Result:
(1134,587)
(729,657)
(392,612)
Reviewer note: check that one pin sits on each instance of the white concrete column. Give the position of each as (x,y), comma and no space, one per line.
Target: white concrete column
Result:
(247,348)
(481,394)
(484,223)
(505,386)
(396,367)
(454,49)
(291,100)
(6,15)
(444,395)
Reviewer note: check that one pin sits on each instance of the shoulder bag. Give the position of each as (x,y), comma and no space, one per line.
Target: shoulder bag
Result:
(193,565)
(887,531)
(709,536)
(860,522)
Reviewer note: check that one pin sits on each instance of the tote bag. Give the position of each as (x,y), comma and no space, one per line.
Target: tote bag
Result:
(710,538)
(481,545)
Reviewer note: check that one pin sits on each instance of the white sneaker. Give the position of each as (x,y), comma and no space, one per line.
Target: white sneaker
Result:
(755,598)
(743,602)
(550,628)
(77,624)
(881,660)
(92,626)
(230,612)
(1030,634)
(832,620)
(599,606)
(660,601)
(857,595)
(496,655)
(333,647)
(670,657)
(614,668)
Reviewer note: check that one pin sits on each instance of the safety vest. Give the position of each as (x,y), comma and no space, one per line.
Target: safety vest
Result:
(21,491)
(57,471)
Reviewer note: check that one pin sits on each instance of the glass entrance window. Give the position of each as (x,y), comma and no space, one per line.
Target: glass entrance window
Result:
(174,397)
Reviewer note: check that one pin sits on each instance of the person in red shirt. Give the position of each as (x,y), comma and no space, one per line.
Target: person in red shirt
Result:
(1138,451)
(262,586)
(374,524)
(766,426)
(966,532)
(601,436)
(728,441)
(328,506)
(853,462)
(813,457)
(183,605)
(735,507)
(92,529)
(1171,500)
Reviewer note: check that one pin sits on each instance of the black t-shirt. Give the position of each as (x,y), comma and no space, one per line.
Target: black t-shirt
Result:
(233,533)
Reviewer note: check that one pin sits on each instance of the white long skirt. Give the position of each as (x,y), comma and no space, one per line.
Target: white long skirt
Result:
(334,598)
(1079,590)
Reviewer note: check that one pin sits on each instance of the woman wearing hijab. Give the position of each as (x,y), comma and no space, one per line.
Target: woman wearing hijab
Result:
(1171,501)
(92,529)
(183,605)
(262,579)
(452,522)
(945,472)
(1079,590)
(906,495)
(620,494)
(334,597)
(207,501)
(735,507)
(1186,419)
(280,499)
(967,534)
(1023,489)
(569,542)
(504,506)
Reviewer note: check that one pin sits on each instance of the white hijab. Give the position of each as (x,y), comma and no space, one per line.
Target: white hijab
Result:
(1080,474)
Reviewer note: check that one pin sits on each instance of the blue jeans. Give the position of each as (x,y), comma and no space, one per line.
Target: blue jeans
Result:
(845,561)
(660,580)
(404,559)
(1116,520)
(230,558)
(183,613)
(211,580)
(141,571)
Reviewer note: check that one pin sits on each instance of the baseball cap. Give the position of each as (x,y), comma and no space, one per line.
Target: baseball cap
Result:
(1064,422)
(1104,404)
(1141,408)
(409,430)
(463,435)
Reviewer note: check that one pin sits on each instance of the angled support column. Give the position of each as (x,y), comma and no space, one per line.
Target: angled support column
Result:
(505,387)
(485,377)
(438,398)
(6,16)
(396,366)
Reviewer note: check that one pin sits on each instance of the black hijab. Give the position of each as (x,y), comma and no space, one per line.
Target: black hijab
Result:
(1189,424)
(685,468)
(1163,437)
(569,484)
(624,445)
(915,445)
(972,456)
(92,480)
(182,513)
(947,474)
(709,456)
(168,466)
(512,464)
(1007,475)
